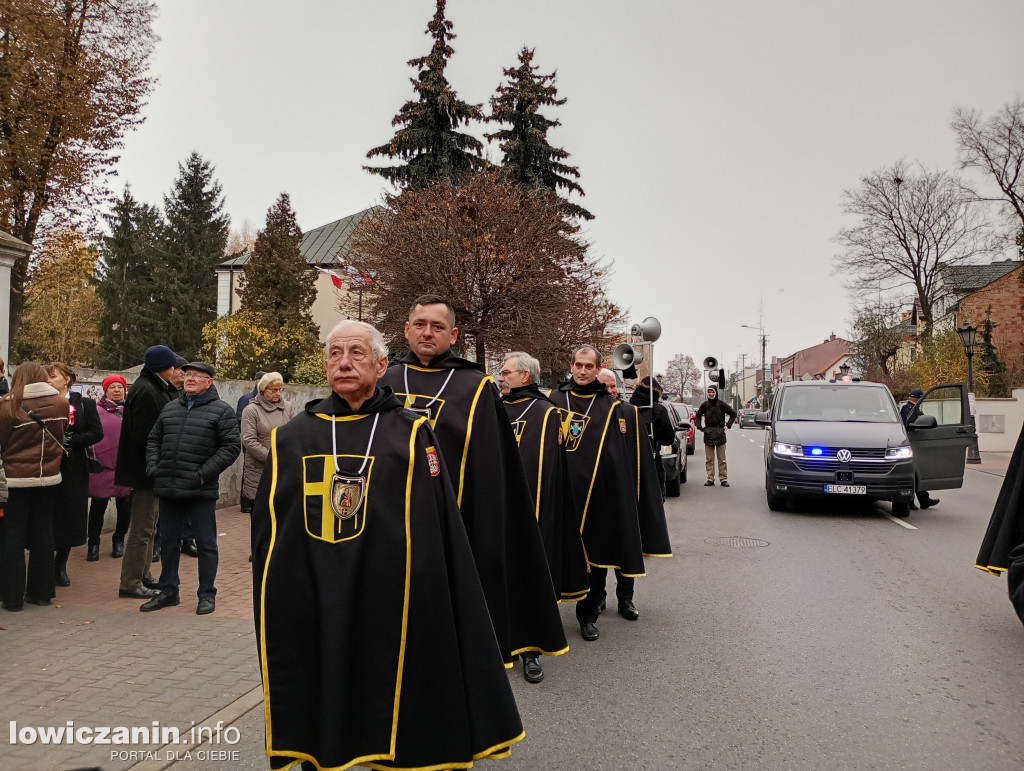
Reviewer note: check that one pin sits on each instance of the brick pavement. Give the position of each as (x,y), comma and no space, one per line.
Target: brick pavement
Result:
(94,659)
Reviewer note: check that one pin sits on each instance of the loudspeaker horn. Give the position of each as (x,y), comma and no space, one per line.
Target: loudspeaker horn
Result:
(710,363)
(648,330)
(625,356)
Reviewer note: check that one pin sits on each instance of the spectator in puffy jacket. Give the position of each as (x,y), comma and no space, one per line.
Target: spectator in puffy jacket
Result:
(192,443)
(33,418)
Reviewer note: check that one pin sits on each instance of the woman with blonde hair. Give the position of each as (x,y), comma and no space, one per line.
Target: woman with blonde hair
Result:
(70,518)
(33,418)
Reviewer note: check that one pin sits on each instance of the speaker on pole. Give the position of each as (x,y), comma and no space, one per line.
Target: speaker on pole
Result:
(710,363)
(648,330)
(625,356)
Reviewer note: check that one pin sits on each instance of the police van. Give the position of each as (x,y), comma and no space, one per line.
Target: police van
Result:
(830,439)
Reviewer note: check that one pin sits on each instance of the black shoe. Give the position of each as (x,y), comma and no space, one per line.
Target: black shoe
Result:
(162,600)
(725,483)
(250,558)
(927,503)
(150,583)
(156,554)
(60,575)
(12,608)
(117,550)
(138,593)
(92,554)
(206,605)
(589,632)
(34,601)
(601,606)
(189,548)
(913,506)
(532,671)
(628,610)
(710,483)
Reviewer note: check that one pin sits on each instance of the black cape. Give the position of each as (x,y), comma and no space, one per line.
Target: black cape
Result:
(537,425)
(71,515)
(477,445)
(650,506)
(599,465)
(1015,578)
(1006,527)
(374,638)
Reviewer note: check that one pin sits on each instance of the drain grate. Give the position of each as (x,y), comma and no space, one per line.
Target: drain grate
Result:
(737,541)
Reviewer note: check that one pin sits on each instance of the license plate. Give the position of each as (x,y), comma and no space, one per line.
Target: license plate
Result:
(847,489)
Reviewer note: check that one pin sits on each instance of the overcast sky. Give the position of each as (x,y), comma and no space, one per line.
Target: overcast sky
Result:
(714,139)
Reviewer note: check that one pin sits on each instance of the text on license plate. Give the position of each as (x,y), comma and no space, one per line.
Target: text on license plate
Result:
(847,489)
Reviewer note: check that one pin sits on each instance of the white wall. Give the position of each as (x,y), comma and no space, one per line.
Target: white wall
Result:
(991,414)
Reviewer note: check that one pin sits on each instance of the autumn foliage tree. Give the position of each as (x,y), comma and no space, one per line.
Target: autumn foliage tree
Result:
(61,309)
(73,81)
(681,375)
(942,360)
(516,270)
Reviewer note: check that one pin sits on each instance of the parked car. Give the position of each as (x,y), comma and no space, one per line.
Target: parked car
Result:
(686,413)
(674,457)
(828,438)
(746,417)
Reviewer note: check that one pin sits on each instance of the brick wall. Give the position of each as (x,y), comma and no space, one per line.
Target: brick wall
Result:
(1005,295)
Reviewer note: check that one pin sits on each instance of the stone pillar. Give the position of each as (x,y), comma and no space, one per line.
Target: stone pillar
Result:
(11,249)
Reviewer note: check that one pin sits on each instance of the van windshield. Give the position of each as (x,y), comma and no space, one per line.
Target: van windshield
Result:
(838,403)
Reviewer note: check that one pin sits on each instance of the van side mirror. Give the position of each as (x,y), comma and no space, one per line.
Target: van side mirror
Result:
(681,427)
(761,419)
(923,421)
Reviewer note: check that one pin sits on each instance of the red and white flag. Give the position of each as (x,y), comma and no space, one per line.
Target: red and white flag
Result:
(335,278)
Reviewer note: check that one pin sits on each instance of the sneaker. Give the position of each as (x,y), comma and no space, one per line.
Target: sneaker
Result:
(710,483)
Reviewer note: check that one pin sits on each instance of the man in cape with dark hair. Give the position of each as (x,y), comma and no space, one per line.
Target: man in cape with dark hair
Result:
(1002,548)
(479,449)
(537,425)
(595,443)
(374,638)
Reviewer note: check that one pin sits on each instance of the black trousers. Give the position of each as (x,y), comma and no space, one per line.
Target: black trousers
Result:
(586,609)
(28,524)
(98,507)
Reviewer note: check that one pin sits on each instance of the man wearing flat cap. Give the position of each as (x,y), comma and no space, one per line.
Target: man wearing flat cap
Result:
(907,414)
(193,442)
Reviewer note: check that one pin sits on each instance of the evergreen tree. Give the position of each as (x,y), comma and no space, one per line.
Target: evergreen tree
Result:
(989,361)
(529,157)
(428,141)
(195,237)
(130,284)
(277,282)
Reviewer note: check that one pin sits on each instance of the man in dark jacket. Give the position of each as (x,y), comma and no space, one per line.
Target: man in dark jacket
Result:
(147,396)
(907,414)
(661,432)
(711,420)
(193,442)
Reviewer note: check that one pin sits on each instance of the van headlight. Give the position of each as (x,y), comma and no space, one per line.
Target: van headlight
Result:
(899,453)
(781,448)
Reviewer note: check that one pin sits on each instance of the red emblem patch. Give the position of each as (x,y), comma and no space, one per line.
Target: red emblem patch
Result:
(622,425)
(433,462)
(559,434)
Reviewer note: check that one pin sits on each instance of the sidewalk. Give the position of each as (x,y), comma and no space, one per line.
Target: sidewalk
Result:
(95,660)
(994,463)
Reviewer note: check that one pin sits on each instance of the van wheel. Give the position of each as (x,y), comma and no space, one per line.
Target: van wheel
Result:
(682,475)
(672,488)
(775,502)
(901,509)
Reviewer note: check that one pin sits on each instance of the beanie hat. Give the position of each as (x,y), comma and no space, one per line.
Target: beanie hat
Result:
(159,357)
(917,393)
(113,379)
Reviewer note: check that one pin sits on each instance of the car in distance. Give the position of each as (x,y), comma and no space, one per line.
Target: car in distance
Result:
(746,417)
(685,413)
(827,439)
(673,457)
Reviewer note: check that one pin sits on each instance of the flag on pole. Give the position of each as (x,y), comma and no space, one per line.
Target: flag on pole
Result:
(335,278)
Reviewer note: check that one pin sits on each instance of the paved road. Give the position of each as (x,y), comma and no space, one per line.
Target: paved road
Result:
(847,641)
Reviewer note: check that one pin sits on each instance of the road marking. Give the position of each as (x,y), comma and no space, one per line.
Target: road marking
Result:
(898,521)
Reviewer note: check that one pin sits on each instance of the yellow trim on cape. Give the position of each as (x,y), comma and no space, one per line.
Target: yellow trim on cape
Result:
(657,555)
(991,569)
(263,592)
(469,432)
(597,463)
(535,649)
(330,418)
(540,462)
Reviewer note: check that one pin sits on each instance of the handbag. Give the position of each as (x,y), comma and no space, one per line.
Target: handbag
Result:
(95,467)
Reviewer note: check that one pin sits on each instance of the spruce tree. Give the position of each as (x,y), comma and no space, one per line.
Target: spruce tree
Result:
(277,282)
(990,363)
(195,237)
(428,141)
(130,283)
(529,158)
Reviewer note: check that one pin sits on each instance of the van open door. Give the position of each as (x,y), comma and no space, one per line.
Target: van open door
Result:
(939,429)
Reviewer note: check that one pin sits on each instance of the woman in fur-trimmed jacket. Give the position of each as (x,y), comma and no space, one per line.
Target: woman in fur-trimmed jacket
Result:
(33,418)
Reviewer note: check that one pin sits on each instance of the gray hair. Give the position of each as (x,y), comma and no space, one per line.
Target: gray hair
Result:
(607,373)
(597,353)
(377,344)
(526,363)
(268,380)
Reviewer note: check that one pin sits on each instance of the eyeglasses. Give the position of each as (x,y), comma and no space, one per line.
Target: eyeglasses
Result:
(507,372)
(194,376)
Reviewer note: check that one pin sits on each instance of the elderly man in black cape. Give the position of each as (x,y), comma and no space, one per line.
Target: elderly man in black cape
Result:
(1002,549)
(476,442)
(537,425)
(595,430)
(374,638)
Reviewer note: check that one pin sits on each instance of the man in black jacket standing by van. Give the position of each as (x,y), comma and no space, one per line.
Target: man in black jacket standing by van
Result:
(194,441)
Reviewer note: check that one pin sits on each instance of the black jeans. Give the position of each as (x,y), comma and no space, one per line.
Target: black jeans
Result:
(98,507)
(28,524)
(586,609)
(174,512)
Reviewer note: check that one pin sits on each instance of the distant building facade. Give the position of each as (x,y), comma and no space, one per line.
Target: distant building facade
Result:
(819,362)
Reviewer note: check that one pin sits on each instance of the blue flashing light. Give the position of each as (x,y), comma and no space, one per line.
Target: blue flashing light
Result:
(816,451)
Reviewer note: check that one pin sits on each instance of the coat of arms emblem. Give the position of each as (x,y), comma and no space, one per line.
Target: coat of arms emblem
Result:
(346,495)
(577,425)
(433,462)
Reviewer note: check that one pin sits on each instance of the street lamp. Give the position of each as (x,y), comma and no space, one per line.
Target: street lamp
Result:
(968,336)
(844,370)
